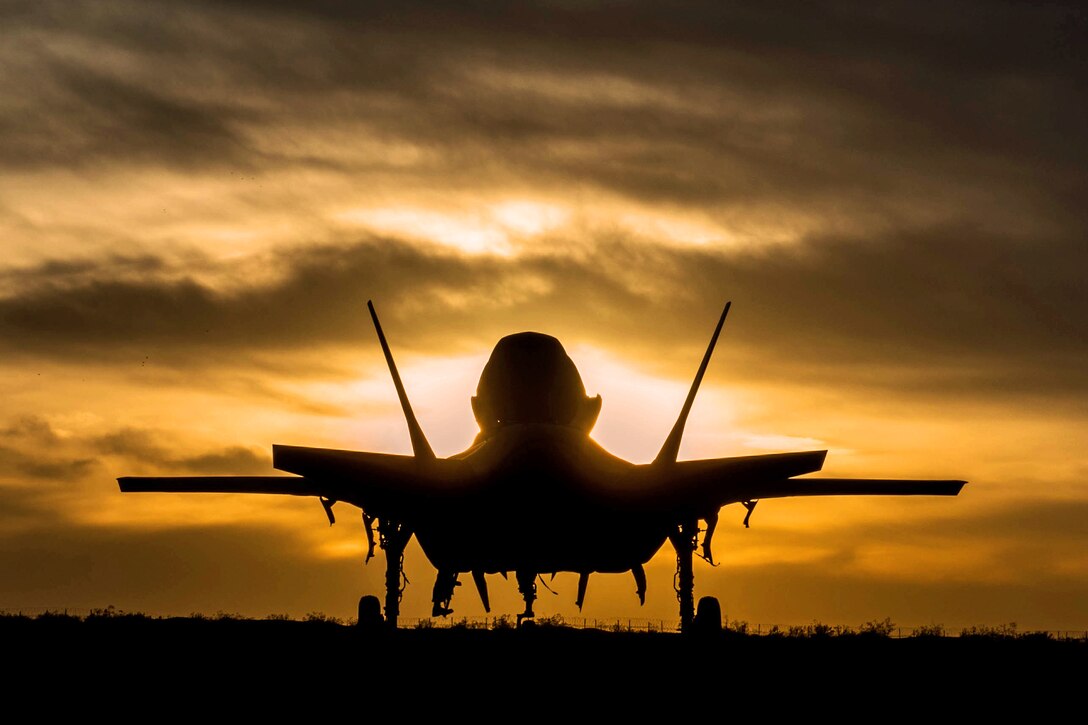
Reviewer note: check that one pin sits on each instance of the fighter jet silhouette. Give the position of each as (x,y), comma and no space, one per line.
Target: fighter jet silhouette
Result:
(534,493)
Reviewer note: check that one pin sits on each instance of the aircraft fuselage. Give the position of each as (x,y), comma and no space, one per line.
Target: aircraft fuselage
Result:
(544,498)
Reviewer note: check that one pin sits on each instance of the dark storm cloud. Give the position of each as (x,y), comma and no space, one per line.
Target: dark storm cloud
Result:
(691,103)
(144,447)
(91,116)
(936,151)
(31,449)
(991,314)
(232,459)
(132,443)
(15,463)
(31,428)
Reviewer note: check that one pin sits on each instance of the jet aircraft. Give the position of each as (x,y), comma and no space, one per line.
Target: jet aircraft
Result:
(534,493)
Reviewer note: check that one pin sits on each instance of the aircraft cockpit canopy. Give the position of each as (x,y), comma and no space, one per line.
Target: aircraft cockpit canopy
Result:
(531,379)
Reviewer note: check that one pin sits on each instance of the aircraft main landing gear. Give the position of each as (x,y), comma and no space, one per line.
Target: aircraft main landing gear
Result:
(393,537)
(685,539)
(442,595)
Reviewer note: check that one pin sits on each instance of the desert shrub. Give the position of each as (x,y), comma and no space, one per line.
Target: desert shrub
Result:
(48,616)
(222,616)
(112,612)
(877,628)
(929,630)
(738,627)
(1001,631)
(819,630)
(1038,636)
(321,617)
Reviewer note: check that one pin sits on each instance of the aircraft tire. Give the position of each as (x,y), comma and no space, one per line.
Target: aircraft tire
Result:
(370,614)
(708,617)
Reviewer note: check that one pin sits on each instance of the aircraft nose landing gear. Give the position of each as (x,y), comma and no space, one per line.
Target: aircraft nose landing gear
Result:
(527,587)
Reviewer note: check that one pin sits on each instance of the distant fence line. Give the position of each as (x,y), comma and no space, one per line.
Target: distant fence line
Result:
(620,624)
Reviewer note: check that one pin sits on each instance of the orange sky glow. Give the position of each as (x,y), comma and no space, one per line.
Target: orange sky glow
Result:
(196,201)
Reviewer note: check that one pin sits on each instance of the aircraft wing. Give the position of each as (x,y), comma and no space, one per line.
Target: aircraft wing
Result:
(849,487)
(705,485)
(376,482)
(699,487)
(381,484)
(290,485)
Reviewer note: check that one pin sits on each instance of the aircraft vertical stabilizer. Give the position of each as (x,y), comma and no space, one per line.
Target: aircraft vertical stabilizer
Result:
(671,449)
(420,447)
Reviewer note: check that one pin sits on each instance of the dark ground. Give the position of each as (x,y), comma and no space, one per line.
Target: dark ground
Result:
(135,666)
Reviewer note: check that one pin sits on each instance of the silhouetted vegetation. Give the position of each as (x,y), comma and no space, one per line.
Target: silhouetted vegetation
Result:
(114,651)
(731,629)
(929,631)
(322,618)
(229,646)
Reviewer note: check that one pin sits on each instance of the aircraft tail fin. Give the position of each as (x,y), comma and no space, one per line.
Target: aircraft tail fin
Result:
(420,447)
(671,449)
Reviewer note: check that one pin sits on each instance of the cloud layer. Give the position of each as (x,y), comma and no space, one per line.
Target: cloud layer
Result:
(964,309)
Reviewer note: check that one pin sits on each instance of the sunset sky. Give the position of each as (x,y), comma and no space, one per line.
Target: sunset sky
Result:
(197,199)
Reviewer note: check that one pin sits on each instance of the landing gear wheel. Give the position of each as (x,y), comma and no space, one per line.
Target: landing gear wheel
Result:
(708,617)
(370,614)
